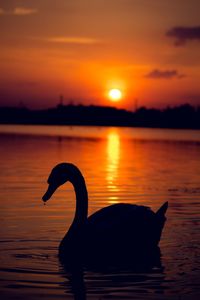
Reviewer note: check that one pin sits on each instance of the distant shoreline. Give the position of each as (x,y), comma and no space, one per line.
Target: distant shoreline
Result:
(181,117)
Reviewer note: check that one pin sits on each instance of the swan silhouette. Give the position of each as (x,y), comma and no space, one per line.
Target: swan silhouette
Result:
(119,230)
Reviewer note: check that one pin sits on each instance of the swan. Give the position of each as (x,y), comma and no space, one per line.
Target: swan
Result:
(118,230)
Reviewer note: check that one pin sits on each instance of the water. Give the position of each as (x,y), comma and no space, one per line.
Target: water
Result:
(143,166)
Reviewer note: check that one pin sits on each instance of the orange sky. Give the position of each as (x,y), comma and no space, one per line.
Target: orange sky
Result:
(150,49)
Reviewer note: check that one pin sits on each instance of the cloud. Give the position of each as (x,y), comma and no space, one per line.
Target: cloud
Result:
(19,11)
(164,74)
(184,34)
(22,11)
(73,40)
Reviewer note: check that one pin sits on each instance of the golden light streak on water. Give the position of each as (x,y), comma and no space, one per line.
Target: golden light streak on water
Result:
(113,157)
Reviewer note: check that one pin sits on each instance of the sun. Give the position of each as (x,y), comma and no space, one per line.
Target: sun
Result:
(115,95)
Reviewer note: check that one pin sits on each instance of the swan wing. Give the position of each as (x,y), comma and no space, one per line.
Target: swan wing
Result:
(126,224)
(119,220)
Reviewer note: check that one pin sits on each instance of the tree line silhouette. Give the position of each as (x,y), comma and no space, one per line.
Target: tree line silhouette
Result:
(183,116)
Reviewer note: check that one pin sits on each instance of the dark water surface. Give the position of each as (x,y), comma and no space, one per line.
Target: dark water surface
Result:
(142,166)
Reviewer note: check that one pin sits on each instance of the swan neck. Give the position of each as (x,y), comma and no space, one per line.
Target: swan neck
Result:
(81,200)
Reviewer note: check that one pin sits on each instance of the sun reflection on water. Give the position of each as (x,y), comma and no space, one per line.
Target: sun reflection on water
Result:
(113,156)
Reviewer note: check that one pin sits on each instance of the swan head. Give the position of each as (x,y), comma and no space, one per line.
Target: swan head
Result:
(60,174)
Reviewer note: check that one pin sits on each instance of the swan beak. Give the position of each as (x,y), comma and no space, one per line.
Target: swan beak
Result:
(51,189)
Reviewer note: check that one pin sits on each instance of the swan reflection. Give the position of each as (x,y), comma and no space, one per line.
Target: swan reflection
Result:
(113,156)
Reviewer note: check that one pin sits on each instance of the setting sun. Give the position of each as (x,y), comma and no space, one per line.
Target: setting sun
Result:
(115,95)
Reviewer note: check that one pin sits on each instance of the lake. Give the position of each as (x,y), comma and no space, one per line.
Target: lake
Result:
(130,165)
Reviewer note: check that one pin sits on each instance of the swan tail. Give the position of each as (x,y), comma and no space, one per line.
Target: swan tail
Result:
(160,214)
(162,210)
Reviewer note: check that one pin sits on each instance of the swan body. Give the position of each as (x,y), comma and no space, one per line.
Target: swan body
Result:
(112,232)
